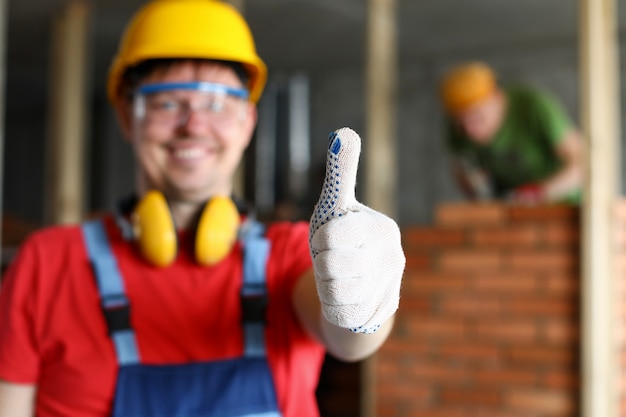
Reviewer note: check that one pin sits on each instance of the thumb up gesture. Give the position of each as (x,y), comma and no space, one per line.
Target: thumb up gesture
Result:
(356,251)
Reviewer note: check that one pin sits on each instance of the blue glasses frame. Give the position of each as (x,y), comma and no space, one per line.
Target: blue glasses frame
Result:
(196,86)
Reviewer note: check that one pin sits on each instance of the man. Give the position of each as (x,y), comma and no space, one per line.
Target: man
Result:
(181,305)
(510,143)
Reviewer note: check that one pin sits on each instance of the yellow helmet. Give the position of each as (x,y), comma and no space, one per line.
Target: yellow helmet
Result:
(466,85)
(209,29)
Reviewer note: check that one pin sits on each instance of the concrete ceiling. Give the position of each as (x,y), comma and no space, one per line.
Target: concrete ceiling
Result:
(313,34)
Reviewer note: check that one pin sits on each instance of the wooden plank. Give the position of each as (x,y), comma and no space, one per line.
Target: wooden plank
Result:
(3,70)
(65,155)
(379,141)
(599,119)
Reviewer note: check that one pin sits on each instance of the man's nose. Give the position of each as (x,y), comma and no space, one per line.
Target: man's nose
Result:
(194,121)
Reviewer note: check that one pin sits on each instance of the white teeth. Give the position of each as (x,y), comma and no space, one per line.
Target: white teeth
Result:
(188,153)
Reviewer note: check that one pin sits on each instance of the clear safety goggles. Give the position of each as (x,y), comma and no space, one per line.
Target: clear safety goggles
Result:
(171,104)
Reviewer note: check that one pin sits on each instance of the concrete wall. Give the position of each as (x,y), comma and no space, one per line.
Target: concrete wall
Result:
(337,99)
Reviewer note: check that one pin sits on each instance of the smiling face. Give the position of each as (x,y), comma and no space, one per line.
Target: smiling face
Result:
(195,158)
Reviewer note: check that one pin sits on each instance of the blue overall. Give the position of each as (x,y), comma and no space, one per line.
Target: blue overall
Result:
(239,387)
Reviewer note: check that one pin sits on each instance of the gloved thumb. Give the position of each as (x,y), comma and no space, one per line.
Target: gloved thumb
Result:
(356,251)
(338,191)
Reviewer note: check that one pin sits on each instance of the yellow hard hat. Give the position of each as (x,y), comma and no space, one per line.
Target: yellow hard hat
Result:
(209,29)
(466,85)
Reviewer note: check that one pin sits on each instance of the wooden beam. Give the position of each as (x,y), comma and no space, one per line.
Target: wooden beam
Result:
(3,43)
(68,113)
(599,86)
(379,141)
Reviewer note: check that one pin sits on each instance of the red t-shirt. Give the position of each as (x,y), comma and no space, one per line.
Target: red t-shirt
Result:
(53,333)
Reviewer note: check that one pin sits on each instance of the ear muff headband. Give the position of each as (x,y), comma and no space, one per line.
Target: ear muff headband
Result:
(155,232)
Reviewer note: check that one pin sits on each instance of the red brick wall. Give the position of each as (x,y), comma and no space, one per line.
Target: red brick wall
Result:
(488,323)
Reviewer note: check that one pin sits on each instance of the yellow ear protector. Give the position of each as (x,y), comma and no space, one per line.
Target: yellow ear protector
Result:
(154,231)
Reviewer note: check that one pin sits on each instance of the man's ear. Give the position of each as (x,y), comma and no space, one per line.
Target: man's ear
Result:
(123,111)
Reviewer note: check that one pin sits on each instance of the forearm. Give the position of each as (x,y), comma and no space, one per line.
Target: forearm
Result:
(339,342)
(16,400)
(571,151)
(473,181)
(349,346)
(563,183)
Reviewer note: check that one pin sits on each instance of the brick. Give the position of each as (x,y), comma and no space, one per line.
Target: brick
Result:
(385,367)
(439,411)
(553,260)
(417,282)
(542,356)
(620,268)
(546,306)
(416,261)
(567,379)
(620,210)
(622,381)
(619,235)
(439,328)
(541,400)
(471,351)
(467,260)
(402,327)
(560,233)
(561,332)
(505,282)
(525,235)
(414,304)
(546,213)
(390,371)
(495,412)
(561,284)
(432,237)
(410,393)
(428,372)
(506,377)
(397,349)
(469,397)
(470,304)
(387,407)
(469,214)
(507,330)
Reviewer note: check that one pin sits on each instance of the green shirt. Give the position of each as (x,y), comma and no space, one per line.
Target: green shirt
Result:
(523,150)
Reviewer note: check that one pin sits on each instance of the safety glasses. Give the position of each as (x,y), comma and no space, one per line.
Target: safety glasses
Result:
(171,104)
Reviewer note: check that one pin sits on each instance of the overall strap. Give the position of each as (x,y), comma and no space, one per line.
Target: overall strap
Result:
(256,249)
(115,304)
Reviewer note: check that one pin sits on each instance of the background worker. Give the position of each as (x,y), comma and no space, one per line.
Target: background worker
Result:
(513,143)
(181,304)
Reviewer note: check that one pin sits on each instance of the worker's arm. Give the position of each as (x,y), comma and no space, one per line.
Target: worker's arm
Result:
(569,178)
(471,179)
(349,299)
(341,343)
(17,400)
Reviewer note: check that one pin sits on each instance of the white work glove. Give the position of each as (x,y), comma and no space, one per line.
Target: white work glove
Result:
(356,251)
